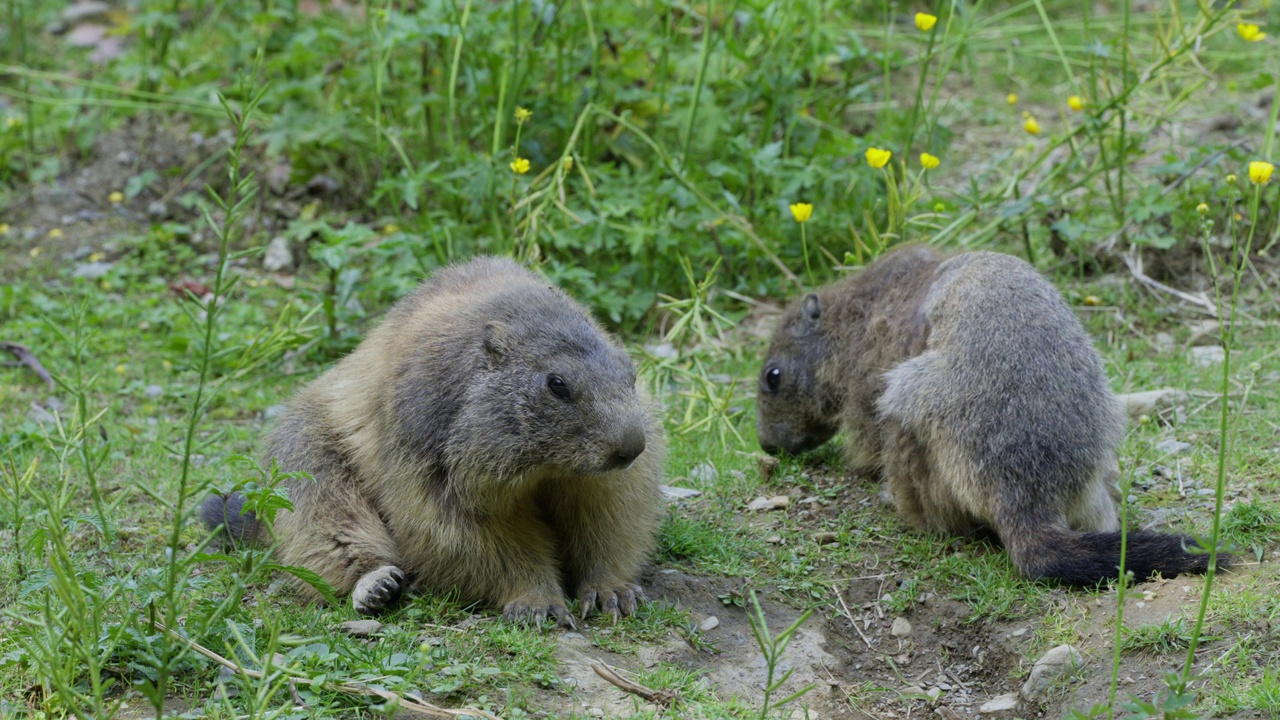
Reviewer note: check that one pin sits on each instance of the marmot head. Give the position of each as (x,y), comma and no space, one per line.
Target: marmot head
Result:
(553,392)
(793,412)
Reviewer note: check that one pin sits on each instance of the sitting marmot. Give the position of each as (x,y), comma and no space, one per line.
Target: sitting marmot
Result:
(487,438)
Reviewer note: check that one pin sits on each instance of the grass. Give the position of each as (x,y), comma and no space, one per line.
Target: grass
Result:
(380,148)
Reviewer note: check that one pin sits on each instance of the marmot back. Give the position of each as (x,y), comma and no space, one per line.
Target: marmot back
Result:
(486,438)
(971,385)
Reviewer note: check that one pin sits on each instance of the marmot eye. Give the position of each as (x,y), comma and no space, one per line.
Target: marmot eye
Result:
(772,377)
(558,387)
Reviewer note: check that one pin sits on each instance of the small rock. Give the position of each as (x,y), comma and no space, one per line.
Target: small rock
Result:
(678,493)
(278,256)
(1207,355)
(826,538)
(39,415)
(1061,660)
(711,623)
(153,391)
(934,693)
(286,282)
(361,628)
(1141,403)
(84,12)
(573,636)
(704,473)
(774,539)
(157,210)
(1162,341)
(780,502)
(126,157)
(86,35)
(595,712)
(777,502)
(767,465)
(91,270)
(1172,447)
(912,691)
(1008,701)
(901,627)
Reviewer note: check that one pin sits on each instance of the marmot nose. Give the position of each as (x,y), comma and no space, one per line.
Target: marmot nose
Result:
(628,447)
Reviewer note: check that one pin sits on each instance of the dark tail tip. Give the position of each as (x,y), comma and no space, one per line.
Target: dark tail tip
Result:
(1088,558)
(227,511)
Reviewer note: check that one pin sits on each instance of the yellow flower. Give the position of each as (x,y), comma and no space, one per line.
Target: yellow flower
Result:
(115,198)
(878,158)
(1231,179)
(1075,103)
(1092,300)
(390,229)
(97,257)
(1260,172)
(34,252)
(168,366)
(4,228)
(1250,32)
(55,233)
(520,166)
(120,369)
(1011,98)
(568,163)
(523,115)
(801,212)
(1031,126)
(1202,208)
(928,161)
(925,21)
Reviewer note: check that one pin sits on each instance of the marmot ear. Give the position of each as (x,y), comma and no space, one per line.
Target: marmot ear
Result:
(495,338)
(810,312)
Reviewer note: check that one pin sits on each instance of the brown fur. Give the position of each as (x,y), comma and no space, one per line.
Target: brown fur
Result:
(972,387)
(443,460)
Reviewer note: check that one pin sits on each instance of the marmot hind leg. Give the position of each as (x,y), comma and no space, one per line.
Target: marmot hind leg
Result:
(931,486)
(341,537)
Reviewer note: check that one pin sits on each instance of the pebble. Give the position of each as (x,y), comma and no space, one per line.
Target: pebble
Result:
(153,391)
(1141,403)
(278,256)
(704,473)
(678,493)
(1061,660)
(361,628)
(595,712)
(157,210)
(711,623)
(84,12)
(767,465)
(91,270)
(1172,447)
(777,502)
(1008,701)
(901,627)
(1207,355)
(826,538)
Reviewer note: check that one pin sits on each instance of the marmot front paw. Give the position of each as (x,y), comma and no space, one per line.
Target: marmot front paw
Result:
(612,597)
(377,589)
(534,609)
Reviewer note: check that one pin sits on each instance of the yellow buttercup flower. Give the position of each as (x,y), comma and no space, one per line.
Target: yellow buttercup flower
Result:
(878,158)
(801,212)
(121,369)
(97,257)
(1260,172)
(115,198)
(55,233)
(1231,179)
(1031,126)
(523,114)
(520,166)
(928,161)
(1202,208)
(1250,32)
(1011,98)
(390,229)
(568,163)
(925,21)
(1075,103)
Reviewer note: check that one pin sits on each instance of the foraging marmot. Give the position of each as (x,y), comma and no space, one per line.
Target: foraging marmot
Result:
(487,438)
(970,384)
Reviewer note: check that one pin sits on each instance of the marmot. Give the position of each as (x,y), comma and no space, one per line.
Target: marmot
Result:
(487,438)
(972,387)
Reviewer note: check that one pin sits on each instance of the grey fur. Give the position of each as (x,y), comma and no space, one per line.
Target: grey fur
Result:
(440,451)
(971,385)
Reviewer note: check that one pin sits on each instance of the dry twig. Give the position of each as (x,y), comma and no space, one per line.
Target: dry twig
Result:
(662,697)
(26,358)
